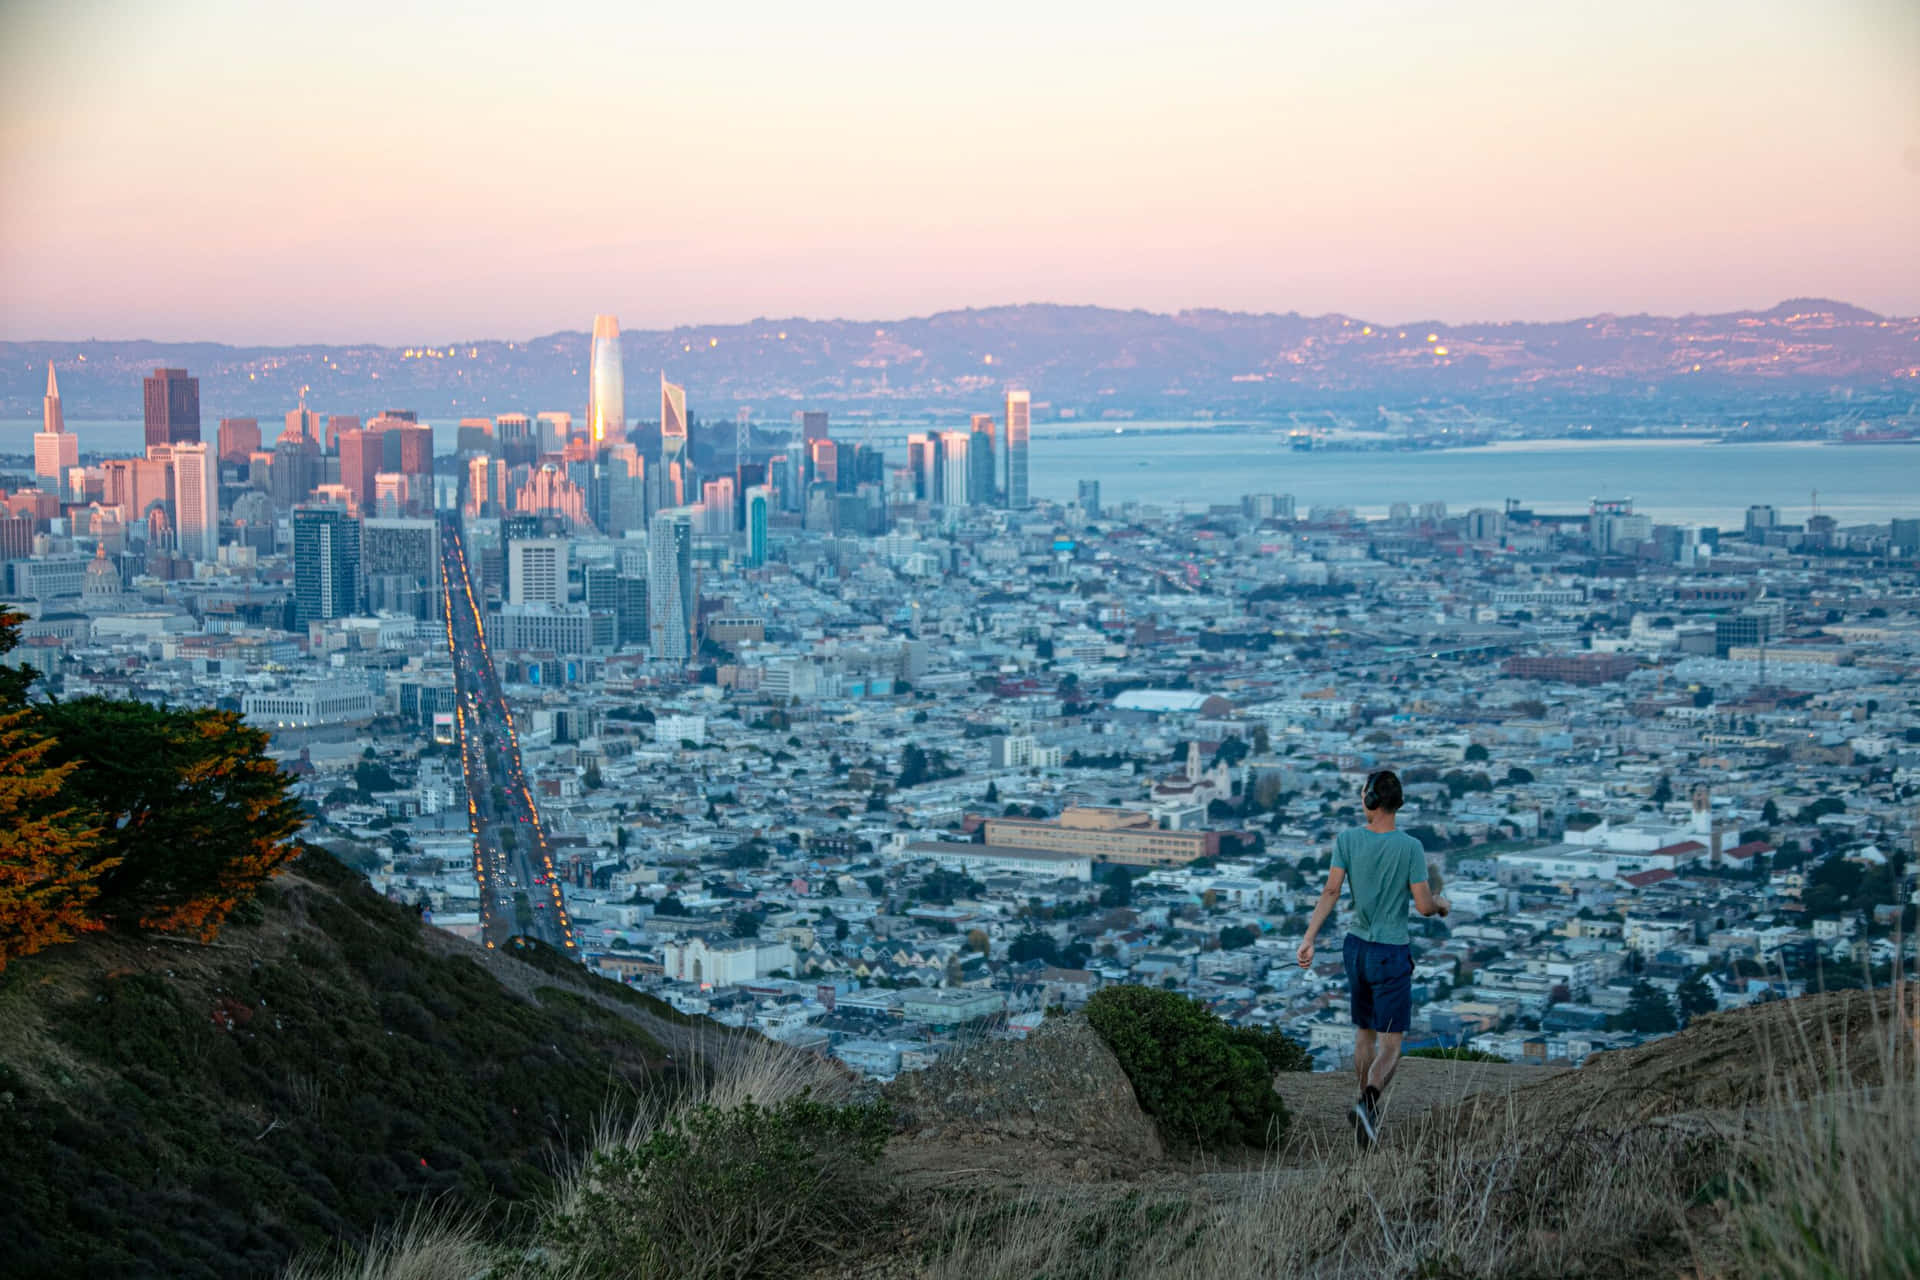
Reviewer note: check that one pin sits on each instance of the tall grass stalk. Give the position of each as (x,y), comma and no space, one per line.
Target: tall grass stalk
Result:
(1831,1188)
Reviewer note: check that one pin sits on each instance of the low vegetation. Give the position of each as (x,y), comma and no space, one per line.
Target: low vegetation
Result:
(327,1065)
(745,1190)
(1207,1085)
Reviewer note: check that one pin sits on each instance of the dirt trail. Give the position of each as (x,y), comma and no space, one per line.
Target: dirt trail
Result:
(1321,1102)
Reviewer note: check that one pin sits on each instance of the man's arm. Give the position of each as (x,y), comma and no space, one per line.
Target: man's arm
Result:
(1426,901)
(1329,899)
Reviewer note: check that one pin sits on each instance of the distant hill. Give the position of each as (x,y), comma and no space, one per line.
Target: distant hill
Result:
(168,1108)
(1078,361)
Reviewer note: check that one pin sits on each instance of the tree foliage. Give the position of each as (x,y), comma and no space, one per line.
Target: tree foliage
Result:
(1695,998)
(193,814)
(1649,1011)
(50,867)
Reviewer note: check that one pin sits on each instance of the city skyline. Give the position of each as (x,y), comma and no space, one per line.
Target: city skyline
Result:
(1503,162)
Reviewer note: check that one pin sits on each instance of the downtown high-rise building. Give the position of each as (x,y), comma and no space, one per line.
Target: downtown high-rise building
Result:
(337,423)
(302,424)
(606,385)
(813,425)
(55,449)
(716,505)
(823,462)
(196,501)
(676,479)
(239,440)
(537,571)
(671,601)
(400,566)
(172,402)
(922,450)
(759,512)
(552,430)
(360,463)
(620,490)
(326,564)
(956,473)
(1014,490)
(984,459)
(1090,499)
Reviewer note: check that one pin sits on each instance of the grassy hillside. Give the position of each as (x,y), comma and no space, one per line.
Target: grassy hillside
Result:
(172,1108)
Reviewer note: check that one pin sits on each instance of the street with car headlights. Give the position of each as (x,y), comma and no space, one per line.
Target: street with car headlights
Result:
(512,865)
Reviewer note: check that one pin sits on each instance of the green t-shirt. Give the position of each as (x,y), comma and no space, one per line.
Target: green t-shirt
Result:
(1380,867)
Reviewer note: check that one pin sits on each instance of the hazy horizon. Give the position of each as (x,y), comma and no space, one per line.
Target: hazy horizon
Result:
(625,329)
(215,171)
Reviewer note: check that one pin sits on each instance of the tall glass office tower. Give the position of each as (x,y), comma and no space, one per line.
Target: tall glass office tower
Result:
(675,465)
(671,600)
(1019,405)
(759,507)
(606,385)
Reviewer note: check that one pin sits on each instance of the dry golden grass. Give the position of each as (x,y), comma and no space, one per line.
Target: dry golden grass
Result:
(1817,1177)
(1831,1187)
(424,1246)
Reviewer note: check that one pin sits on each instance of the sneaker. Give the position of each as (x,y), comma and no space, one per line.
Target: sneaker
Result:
(1366,1124)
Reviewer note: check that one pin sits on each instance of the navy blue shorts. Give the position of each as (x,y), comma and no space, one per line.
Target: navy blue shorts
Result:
(1379,984)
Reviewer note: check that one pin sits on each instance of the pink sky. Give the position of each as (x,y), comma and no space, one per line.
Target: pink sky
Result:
(401,172)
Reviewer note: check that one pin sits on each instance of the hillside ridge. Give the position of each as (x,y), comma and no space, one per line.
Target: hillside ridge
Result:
(329,1062)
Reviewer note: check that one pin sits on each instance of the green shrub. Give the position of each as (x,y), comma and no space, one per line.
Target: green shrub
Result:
(1206,1085)
(1278,1051)
(1456,1055)
(745,1190)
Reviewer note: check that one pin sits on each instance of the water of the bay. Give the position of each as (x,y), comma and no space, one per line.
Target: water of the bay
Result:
(1684,481)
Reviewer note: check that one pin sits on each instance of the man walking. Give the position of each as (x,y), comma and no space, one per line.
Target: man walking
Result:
(1386,869)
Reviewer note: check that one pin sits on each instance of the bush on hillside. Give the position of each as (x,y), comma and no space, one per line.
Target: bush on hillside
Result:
(746,1190)
(1206,1085)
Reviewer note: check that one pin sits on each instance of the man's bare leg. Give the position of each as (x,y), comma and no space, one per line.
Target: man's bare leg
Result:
(1381,1060)
(1363,1051)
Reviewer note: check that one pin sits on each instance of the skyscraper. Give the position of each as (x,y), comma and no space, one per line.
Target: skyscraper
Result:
(983,458)
(677,484)
(239,440)
(606,385)
(670,593)
(326,564)
(53,419)
(552,431)
(813,425)
(537,571)
(400,566)
(956,474)
(302,424)
(54,448)
(173,407)
(716,501)
(1019,405)
(359,464)
(1090,498)
(921,449)
(621,483)
(759,510)
(196,501)
(824,455)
